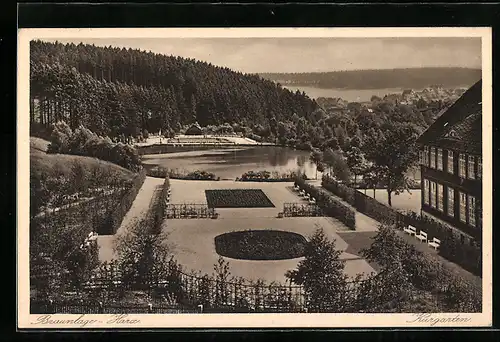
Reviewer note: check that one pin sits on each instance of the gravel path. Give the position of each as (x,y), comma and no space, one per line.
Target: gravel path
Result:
(137,210)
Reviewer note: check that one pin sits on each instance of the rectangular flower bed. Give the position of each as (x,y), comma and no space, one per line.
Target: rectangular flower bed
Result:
(238,198)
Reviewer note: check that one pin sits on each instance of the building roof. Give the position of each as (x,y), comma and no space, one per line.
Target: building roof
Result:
(459,127)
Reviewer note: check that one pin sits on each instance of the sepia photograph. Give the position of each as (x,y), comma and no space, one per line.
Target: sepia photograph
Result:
(272,177)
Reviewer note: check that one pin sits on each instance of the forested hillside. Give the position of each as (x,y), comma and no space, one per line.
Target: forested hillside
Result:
(122,92)
(413,78)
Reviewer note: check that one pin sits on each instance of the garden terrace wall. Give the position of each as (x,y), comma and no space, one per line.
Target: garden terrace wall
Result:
(465,255)
(329,204)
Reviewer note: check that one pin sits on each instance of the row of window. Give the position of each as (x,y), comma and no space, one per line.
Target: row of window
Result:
(433,158)
(434,197)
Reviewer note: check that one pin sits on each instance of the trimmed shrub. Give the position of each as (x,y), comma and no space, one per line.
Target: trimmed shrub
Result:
(260,245)
(341,190)
(266,176)
(117,213)
(162,172)
(329,204)
(159,207)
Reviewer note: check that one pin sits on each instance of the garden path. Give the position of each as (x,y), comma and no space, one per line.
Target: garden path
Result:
(364,223)
(138,209)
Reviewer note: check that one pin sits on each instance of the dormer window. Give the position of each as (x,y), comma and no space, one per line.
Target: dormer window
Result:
(451,134)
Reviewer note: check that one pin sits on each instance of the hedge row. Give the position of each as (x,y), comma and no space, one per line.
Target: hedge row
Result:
(329,204)
(467,256)
(162,172)
(159,207)
(341,190)
(266,176)
(118,213)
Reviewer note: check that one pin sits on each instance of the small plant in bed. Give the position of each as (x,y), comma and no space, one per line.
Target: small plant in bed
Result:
(260,245)
(238,198)
(162,172)
(266,176)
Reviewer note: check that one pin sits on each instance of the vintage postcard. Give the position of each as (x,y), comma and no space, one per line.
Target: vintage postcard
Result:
(249,178)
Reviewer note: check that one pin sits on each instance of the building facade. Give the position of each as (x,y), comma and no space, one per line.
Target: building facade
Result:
(451,166)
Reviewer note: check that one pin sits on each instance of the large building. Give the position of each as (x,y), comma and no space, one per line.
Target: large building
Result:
(451,166)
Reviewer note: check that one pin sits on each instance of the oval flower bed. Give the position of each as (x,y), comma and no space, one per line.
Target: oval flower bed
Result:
(260,245)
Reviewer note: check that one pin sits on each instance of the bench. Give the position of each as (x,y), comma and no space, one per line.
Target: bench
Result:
(422,237)
(435,243)
(410,230)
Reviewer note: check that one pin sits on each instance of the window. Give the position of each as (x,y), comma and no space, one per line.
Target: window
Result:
(472,210)
(421,157)
(450,162)
(433,157)
(470,167)
(463,207)
(440,197)
(451,202)
(426,191)
(433,194)
(461,165)
(479,168)
(440,159)
(426,155)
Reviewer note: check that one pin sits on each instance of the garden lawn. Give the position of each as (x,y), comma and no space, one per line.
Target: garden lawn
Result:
(405,201)
(42,162)
(192,241)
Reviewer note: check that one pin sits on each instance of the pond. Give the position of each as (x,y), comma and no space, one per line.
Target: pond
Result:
(230,163)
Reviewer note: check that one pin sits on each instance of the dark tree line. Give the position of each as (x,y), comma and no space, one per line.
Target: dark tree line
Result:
(117,92)
(411,78)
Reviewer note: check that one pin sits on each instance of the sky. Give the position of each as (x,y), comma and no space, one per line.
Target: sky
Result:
(260,55)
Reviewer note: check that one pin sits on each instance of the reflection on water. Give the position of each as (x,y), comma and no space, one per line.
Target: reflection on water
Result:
(233,163)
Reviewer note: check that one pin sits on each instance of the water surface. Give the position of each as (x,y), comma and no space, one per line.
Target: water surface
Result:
(233,162)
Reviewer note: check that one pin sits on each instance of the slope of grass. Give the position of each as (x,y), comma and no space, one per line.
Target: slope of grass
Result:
(53,164)
(38,144)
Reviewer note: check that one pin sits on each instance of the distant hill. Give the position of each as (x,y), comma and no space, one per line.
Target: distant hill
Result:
(412,78)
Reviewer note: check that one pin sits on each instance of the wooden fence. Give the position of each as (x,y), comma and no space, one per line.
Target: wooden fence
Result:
(189,210)
(301,210)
